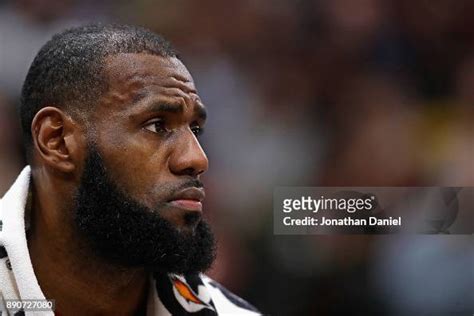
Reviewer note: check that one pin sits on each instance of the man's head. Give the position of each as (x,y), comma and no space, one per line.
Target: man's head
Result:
(111,113)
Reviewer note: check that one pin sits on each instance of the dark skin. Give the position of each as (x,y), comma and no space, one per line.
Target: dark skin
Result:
(145,128)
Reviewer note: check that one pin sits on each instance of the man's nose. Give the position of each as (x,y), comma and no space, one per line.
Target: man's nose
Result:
(188,157)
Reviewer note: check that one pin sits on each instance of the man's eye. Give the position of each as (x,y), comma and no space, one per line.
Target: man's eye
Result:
(157,127)
(197,130)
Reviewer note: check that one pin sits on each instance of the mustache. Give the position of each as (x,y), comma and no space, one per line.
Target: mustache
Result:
(193,183)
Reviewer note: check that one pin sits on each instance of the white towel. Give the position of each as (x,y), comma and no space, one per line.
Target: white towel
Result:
(20,282)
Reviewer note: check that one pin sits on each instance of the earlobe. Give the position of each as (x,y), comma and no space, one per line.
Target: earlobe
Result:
(53,138)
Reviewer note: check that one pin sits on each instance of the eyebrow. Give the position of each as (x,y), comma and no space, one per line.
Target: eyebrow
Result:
(165,107)
(176,108)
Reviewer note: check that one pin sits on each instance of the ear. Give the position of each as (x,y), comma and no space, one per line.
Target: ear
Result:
(56,139)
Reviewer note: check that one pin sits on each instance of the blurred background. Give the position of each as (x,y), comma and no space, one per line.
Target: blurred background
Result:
(306,93)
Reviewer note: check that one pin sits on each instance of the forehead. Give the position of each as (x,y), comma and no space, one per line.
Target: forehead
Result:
(123,67)
(130,75)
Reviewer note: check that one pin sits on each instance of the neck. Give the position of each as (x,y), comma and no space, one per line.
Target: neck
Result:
(78,281)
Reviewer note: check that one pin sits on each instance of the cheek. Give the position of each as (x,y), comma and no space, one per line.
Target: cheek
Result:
(138,167)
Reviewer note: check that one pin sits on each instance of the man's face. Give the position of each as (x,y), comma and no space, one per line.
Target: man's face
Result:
(140,198)
(146,131)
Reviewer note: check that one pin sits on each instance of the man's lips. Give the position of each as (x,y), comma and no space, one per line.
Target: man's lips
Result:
(190,205)
(189,199)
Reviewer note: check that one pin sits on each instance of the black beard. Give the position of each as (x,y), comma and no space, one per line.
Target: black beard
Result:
(121,231)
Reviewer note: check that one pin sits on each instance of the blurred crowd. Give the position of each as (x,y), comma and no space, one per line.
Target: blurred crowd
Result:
(306,93)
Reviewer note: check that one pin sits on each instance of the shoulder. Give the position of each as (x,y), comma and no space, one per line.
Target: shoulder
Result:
(200,295)
(227,302)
